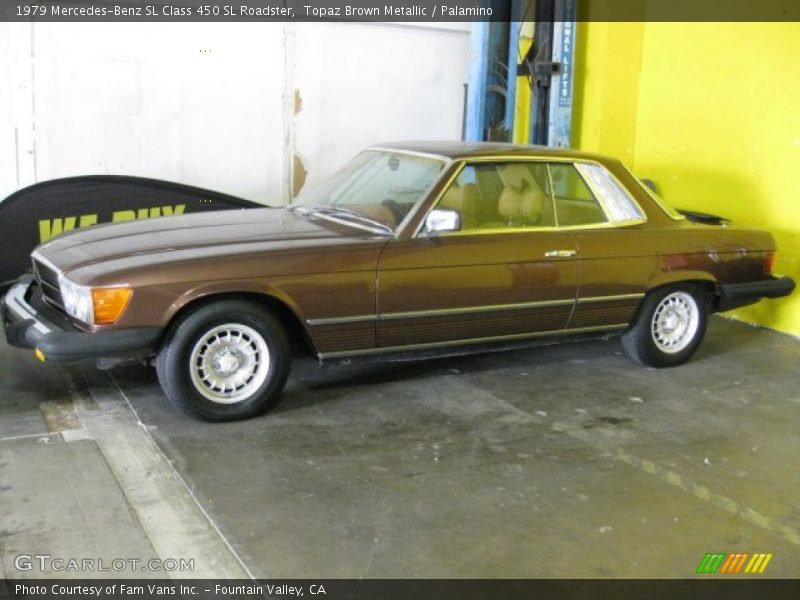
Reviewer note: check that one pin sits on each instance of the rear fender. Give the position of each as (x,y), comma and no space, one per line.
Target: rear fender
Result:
(673,277)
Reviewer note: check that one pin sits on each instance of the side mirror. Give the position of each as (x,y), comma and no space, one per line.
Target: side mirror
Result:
(442,220)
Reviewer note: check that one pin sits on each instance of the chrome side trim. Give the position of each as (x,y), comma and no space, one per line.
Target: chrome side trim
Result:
(499,338)
(419,314)
(618,297)
(412,314)
(341,320)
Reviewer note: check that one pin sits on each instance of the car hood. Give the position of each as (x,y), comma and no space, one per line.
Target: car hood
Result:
(199,235)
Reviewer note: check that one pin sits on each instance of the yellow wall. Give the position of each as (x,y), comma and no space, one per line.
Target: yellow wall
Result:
(711,112)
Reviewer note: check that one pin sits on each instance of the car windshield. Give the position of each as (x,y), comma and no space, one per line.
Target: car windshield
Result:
(374,191)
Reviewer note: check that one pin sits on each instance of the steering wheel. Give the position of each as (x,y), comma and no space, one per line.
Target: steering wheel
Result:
(397,211)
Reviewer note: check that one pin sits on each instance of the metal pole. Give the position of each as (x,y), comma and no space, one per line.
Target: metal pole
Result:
(514,29)
(542,70)
(560,109)
(476,90)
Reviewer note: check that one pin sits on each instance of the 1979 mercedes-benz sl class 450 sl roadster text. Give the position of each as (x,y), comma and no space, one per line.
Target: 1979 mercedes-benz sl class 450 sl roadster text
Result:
(409,248)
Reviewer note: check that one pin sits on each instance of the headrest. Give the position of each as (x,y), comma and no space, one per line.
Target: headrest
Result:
(509,205)
(532,202)
(515,175)
(527,204)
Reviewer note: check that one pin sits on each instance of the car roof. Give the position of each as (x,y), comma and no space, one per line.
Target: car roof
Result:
(464,150)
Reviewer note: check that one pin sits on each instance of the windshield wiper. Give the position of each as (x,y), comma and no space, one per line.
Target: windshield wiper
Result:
(299,208)
(344,213)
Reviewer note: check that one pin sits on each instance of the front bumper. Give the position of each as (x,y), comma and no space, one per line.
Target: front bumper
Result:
(30,324)
(735,295)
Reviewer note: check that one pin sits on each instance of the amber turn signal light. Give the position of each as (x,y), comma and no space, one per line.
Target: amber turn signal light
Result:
(769,262)
(109,304)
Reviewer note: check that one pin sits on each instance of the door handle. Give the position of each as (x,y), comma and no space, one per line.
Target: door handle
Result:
(560,253)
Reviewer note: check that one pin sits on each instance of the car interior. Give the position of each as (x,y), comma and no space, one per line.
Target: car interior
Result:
(513,195)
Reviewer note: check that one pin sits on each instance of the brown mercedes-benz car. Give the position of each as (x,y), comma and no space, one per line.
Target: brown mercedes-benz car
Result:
(409,248)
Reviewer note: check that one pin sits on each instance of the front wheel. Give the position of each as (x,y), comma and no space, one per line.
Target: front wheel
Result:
(670,326)
(225,361)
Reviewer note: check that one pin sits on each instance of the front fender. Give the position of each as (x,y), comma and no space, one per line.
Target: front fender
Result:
(221,288)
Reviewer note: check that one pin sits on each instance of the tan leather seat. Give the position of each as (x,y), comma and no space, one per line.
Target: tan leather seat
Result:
(522,201)
(471,199)
(464,199)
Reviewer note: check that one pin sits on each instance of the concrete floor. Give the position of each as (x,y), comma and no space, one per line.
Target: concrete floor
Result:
(560,461)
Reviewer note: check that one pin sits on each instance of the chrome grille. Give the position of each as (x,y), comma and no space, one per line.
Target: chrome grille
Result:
(48,280)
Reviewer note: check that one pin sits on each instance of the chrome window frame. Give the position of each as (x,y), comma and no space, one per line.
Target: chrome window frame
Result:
(400,227)
(614,180)
(464,162)
(446,162)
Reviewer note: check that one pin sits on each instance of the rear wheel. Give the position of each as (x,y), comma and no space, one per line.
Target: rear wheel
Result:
(225,361)
(670,326)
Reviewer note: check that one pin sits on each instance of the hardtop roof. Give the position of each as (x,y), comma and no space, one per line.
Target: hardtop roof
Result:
(459,150)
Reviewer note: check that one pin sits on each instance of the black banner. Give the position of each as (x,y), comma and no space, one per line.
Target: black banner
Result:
(382,10)
(40,212)
(400,589)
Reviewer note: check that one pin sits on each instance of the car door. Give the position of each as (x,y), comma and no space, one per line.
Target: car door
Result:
(507,273)
(613,246)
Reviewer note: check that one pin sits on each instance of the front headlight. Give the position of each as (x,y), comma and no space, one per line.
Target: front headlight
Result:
(77,300)
(94,306)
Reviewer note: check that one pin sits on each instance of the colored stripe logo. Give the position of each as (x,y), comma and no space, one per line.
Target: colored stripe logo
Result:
(735,563)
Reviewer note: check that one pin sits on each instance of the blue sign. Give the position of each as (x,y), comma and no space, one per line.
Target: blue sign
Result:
(567,50)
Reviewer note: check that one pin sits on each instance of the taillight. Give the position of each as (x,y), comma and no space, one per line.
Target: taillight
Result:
(769,262)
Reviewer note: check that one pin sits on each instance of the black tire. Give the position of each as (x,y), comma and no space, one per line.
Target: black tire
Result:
(253,360)
(669,327)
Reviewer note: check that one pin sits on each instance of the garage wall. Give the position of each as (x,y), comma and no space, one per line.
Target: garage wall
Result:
(709,111)
(243,108)
(361,84)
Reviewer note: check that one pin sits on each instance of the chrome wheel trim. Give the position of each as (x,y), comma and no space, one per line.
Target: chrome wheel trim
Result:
(229,363)
(675,322)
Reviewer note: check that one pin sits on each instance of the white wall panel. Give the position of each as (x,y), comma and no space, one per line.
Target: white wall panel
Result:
(17,142)
(212,105)
(362,84)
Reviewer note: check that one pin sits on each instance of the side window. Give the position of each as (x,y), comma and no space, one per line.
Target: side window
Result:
(497,196)
(616,201)
(465,196)
(575,204)
(515,195)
